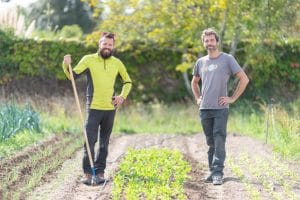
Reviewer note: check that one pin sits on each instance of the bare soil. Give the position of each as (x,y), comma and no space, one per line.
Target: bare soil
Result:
(15,171)
(66,185)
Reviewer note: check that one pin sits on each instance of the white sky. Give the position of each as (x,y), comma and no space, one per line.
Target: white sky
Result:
(13,3)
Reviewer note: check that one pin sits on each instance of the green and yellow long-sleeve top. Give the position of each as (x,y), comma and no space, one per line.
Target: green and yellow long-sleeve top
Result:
(101,76)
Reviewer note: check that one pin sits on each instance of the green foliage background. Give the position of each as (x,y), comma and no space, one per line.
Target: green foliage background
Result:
(274,71)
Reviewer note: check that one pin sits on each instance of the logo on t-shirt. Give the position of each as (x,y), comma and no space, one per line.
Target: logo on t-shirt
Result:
(210,68)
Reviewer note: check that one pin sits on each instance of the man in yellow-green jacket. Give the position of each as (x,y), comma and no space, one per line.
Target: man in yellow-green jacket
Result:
(101,70)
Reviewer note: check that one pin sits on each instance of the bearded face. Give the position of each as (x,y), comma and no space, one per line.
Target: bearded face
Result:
(105,53)
(211,47)
(106,48)
(210,43)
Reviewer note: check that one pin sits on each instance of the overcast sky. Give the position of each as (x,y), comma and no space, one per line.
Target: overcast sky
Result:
(12,3)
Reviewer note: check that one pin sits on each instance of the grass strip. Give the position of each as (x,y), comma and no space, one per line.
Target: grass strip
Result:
(157,118)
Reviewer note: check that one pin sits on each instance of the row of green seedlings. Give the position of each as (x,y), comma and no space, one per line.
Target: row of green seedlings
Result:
(36,167)
(273,175)
(151,174)
(253,192)
(14,119)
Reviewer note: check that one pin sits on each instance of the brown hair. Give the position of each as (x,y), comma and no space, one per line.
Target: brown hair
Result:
(209,31)
(107,35)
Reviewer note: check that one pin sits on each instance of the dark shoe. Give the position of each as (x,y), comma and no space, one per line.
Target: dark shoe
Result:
(100,175)
(99,178)
(87,179)
(208,179)
(217,180)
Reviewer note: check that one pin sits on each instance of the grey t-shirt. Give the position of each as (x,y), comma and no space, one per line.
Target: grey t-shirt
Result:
(214,74)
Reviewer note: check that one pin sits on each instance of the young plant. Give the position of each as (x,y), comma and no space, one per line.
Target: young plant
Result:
(151,174)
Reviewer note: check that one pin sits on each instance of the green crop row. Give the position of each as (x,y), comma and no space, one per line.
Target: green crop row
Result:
(16,182)
(14,119)
(23,125)
(151,174)
(272,177)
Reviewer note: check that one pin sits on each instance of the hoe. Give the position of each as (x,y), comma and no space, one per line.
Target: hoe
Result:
(93,181)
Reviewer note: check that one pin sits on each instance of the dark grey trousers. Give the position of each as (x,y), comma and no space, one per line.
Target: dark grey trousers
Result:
(103,120)
(214,124)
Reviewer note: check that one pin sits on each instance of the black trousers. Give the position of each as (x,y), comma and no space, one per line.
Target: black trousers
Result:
(214,124)
(98,120)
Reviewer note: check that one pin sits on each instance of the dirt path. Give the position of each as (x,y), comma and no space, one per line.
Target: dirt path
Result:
(240,150)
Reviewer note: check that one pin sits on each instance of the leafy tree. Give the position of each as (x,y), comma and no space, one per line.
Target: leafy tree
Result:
(54,14)
(96,7)
(158,24)
(177,25)
(73,31)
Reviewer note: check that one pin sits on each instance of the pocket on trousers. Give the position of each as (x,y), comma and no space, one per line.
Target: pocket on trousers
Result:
(203,114)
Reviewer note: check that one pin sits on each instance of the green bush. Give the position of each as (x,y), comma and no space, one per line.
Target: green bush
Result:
(72,31)
(146,68)
(273,69)
(7,66)
(44,58)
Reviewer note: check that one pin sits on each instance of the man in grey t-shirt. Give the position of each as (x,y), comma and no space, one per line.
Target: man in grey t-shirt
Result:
(214,71)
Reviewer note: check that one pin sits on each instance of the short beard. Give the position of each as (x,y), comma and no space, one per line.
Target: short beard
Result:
(214,48)
(105,54)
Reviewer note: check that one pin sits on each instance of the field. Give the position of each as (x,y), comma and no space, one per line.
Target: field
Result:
(247,172)
(157,149)
(51,168)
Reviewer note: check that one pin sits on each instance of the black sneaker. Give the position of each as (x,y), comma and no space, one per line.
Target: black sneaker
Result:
(217,180)
(208,179)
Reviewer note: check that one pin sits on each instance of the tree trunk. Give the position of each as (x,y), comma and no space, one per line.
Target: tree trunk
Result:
(223,30)
(187,83)
(234,42)
(185,76)
(233,48)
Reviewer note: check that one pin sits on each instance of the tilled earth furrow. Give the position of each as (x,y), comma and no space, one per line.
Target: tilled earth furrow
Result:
(66,185)
(32,167)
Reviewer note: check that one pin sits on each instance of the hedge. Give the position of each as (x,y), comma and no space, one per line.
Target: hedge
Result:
(273,70)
